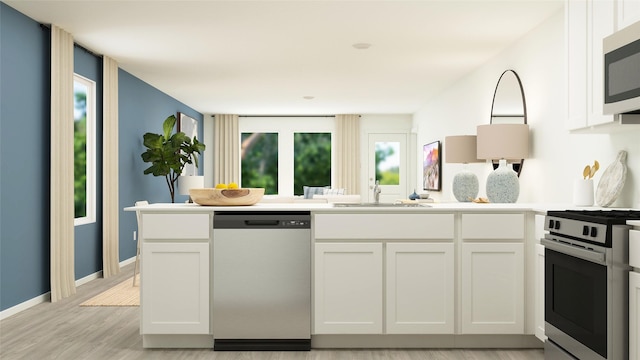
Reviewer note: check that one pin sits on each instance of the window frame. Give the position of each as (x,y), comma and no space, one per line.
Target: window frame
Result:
(285,127)
(91,153)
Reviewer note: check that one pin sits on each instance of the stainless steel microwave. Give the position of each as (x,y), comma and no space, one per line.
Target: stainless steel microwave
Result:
(622,71)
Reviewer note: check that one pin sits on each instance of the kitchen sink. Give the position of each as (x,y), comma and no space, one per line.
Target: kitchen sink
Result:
(369,205)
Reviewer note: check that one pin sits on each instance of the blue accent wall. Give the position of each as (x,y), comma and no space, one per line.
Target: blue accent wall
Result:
(142,109)
(24,157)
(25,163)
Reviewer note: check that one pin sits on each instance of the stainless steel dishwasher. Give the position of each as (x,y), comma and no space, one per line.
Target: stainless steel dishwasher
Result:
(262,280)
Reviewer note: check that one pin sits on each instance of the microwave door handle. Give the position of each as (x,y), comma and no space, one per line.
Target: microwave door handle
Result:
(592,256)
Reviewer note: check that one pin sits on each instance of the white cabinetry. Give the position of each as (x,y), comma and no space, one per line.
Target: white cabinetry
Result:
(634,315)
(634,294)
(350,273)
(420,296)
(175,272)
(176,283)
(588,22)
(348,288)
(492,278)
(628,12)
(539,293)
(539,279)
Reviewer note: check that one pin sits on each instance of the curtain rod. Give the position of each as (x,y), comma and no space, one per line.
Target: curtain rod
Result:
(75,44)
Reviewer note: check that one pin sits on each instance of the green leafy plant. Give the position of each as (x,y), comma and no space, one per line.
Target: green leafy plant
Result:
(169,153)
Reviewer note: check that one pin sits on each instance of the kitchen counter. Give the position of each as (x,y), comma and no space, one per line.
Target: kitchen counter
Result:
(417,276)
(301,206)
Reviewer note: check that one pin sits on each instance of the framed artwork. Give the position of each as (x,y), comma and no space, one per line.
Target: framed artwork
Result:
(189,126)
(431,166)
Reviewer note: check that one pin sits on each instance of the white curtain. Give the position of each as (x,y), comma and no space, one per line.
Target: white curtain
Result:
(226,157)
(110,205)
(348,152)
(62,159)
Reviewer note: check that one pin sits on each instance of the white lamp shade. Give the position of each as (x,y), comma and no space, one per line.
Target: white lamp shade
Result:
(461,149)
(503,141)
(189,182)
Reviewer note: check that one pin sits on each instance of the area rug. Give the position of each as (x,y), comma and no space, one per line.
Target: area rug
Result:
(123,294)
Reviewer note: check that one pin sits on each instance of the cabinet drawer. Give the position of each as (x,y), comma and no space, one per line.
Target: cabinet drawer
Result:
(175,226)
(492,226)
(634,248)
(384,226)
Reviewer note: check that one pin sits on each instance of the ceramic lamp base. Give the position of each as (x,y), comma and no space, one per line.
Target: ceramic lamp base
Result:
(465,186)
(503,185)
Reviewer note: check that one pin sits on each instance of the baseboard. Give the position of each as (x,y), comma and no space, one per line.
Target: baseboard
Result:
(47,296)
(25,305)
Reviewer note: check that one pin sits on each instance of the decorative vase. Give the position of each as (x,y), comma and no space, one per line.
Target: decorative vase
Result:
(503,185)
(583,192)
(465,186)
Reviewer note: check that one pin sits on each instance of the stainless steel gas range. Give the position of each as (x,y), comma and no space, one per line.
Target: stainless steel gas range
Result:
(586,284)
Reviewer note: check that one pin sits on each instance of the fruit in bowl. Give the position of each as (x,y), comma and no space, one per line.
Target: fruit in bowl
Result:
(226,195)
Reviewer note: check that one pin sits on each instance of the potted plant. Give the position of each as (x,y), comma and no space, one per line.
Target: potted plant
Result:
(169,153)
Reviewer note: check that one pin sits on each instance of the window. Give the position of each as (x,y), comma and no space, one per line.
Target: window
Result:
(284,154)
(388,163)
(84,144)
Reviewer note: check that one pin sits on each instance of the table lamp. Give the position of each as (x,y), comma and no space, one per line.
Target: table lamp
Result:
(506,143)
(185,183)
(461,149)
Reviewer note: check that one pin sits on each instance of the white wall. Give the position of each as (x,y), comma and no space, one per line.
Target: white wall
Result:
(557,157)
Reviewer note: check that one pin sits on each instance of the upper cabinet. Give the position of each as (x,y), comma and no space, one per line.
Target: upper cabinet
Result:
(588,22)
(628,12)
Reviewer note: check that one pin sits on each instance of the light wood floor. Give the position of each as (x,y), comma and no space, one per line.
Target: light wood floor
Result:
(66,331)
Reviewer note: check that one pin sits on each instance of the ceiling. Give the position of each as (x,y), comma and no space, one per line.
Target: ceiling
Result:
(264,57)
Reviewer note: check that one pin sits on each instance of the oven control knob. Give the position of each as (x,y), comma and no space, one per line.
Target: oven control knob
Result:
(594,231)
(557,227)
(585,230)
(551,222)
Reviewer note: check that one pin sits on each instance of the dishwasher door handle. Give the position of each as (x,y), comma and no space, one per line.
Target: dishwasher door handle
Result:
(262,222)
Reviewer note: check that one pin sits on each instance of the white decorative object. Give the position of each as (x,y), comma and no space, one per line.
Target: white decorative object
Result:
(612,181)
(503,185)
(462,149)
(187,182)
(465,186)
(583,192)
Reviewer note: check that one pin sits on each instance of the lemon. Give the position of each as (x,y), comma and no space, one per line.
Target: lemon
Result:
(221,186)
(232,185)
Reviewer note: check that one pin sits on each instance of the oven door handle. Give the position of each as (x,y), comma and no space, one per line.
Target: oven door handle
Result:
(592,256)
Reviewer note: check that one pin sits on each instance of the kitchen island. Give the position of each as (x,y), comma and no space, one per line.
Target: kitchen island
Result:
(445,275)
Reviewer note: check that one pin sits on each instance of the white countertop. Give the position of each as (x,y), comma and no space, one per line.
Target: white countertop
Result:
(436,207)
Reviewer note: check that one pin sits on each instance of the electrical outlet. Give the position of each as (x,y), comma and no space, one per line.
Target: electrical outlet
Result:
(135,235)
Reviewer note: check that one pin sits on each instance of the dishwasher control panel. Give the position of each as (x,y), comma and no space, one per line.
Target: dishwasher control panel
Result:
(262,220)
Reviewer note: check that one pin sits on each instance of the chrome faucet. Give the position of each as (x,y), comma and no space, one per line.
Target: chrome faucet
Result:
(376,192)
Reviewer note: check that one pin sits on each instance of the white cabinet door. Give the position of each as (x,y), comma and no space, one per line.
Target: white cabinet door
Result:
(600,24)
(492,288)
(576,53)
(175,288)
(539,293)
(420,283)
(348,288)
(628,12)
(634,316)
(587,23)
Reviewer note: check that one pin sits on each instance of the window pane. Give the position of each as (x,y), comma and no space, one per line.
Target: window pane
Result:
(259,161)
(80,148)
(312,160)
(388,163)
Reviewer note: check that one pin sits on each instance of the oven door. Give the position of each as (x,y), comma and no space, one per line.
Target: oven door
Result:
(576,301)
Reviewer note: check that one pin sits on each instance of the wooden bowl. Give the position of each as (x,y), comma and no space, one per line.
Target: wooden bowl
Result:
(226,197)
